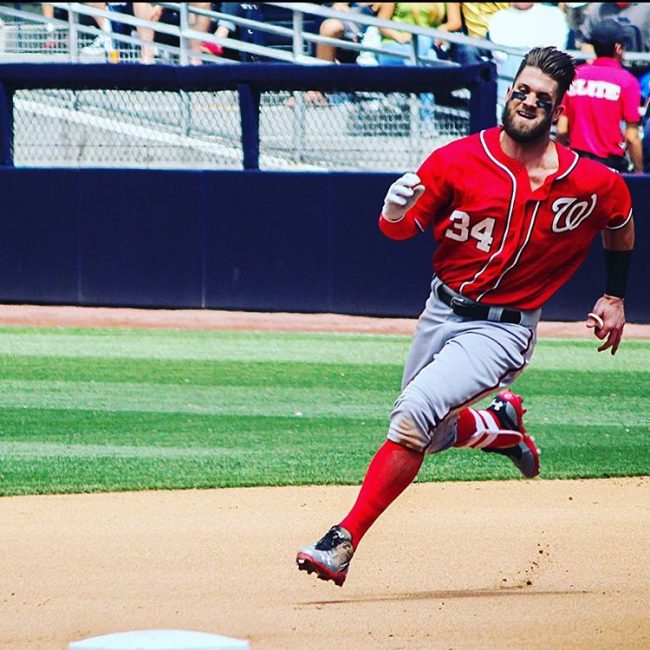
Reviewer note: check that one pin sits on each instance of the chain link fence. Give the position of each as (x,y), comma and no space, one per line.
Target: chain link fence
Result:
(356,131)
(120,128)
(140,129)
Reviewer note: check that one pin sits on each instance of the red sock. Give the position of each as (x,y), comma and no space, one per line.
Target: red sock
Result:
(481,430)
(391,471)
(465,426)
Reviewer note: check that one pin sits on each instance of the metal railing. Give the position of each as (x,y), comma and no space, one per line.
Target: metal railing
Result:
(69,40)
(296,37)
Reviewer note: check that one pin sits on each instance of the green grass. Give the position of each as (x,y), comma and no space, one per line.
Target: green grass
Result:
(87,410)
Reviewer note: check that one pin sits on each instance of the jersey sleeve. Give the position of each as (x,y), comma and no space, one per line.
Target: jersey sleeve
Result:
(617,208)
(433,203)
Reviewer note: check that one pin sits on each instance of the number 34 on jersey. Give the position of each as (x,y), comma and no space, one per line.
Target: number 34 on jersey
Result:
(481,232)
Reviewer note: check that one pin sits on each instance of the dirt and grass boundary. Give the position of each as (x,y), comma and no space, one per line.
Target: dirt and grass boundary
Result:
(499,564)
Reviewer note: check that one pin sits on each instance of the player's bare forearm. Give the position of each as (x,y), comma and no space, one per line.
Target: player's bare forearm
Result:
(634,147)
(607,318)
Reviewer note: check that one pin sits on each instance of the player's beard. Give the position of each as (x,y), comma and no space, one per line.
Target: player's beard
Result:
(525,134)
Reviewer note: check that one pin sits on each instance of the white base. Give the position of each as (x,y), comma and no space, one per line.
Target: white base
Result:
(159,640)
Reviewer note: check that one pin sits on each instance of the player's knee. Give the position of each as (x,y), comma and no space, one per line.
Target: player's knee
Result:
(407,429)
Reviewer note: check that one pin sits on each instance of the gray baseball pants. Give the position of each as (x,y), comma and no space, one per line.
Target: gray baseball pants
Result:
(454,362)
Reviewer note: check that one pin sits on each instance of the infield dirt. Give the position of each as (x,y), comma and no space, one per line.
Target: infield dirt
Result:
(516,564)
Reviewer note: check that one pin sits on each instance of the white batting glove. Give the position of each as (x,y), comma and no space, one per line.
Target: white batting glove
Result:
(402,195)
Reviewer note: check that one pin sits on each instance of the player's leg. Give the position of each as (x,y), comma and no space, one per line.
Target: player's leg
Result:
(391,471)
(464,361)
(498,428)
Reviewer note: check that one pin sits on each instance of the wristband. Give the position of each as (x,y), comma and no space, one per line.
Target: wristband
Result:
(618,266)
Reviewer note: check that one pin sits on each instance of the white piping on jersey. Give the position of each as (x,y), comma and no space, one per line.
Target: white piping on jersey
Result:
(571,167)
(510,211)
(629,216)
(418,224)
(519,252)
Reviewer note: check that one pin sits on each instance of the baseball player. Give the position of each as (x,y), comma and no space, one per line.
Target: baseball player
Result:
(513,214)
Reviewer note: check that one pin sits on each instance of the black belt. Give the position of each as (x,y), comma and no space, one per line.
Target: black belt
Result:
(473,310)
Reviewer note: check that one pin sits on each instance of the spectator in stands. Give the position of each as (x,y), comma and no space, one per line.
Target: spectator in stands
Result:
(575,16)
(345,30)
(475,17)
(525,25)
(444,16)
(635,14)
(528,24)
(229,29)
(154,12)
(101,44)
(603,96)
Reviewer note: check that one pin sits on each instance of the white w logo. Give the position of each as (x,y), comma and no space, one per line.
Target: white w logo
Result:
(570,213)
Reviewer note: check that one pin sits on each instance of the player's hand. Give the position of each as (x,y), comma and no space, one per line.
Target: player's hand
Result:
(607,319)
(402,195)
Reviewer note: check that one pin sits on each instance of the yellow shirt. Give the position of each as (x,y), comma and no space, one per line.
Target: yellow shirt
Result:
(423,14)
(477,14)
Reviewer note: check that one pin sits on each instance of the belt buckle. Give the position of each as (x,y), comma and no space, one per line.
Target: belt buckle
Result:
(460,305)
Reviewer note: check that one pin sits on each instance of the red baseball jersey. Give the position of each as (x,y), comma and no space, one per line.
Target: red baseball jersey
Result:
(498,241)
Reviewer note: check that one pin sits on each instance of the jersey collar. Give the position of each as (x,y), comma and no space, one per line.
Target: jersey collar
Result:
(607,61)
(567,159)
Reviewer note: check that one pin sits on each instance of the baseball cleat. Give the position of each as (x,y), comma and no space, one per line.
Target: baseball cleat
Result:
(508,408)
(329,557)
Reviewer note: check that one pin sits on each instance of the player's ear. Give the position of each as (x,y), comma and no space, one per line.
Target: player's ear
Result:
(557,111)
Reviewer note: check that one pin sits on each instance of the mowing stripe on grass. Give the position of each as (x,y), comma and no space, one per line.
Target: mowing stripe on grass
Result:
(204,346)
(551,354)
(300,402)
(162,398)
(135,409)
(17,450)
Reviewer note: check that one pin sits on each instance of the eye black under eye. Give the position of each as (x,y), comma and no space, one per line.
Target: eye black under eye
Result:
(544,104)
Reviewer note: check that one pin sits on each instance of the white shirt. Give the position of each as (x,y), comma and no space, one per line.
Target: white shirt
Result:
(539,25)
(525,28)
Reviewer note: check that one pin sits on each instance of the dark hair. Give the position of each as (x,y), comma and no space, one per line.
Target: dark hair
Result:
(555,63)
(605,49)
(605,35)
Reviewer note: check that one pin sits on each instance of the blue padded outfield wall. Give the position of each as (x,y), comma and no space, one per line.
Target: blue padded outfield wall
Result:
(238,240)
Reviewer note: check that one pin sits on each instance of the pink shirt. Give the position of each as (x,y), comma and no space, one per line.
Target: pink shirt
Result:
(603,95)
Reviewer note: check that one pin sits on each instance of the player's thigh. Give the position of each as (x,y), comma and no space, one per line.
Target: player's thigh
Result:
(434,327)
(478,359)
